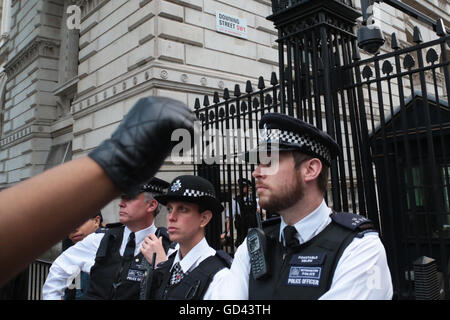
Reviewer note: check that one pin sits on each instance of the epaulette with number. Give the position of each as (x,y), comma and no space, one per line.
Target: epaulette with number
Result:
(101,230)
(354,222)
(225,257)
(108,226)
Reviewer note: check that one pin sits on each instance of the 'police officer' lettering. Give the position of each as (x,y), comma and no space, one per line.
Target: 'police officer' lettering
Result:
(136,271)
(135,275)
(304,276)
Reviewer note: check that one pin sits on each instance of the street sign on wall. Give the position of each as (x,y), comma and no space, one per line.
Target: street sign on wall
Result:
(231,25)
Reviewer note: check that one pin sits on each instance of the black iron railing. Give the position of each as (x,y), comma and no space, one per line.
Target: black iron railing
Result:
(230,127)
(390,114)
(37,273)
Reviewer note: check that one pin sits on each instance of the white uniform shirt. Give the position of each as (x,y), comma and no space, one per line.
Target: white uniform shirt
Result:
(81,257)
(193,258)
(362,271)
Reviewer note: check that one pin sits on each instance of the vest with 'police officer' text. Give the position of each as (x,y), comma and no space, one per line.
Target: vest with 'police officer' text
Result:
(306,270)
(112,277)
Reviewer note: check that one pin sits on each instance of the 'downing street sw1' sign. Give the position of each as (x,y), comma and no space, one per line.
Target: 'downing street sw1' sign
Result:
(231,25)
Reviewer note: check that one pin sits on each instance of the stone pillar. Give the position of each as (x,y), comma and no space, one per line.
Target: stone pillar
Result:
(69,48)
(6,20)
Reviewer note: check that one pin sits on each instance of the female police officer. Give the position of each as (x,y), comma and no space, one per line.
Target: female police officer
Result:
(195,269)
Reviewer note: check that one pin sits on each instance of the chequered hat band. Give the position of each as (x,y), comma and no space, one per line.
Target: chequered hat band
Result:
(196,193)
(301,140)
(151,188)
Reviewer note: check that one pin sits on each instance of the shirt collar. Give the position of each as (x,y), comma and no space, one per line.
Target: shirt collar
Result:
(310,225)
(139,235)
(196,255)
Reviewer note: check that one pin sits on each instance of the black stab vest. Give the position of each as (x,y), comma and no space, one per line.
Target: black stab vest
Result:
(306,271)
(112,277)
(194,284)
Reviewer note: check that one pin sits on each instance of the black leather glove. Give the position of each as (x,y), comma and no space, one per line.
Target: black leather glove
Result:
(141,143)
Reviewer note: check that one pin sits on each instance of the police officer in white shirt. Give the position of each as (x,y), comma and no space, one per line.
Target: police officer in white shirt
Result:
(310,252)
(111,255)
(195,269)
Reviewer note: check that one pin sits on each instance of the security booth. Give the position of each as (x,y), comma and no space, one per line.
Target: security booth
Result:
(412,161)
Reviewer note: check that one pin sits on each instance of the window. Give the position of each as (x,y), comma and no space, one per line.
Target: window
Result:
(417,186)
(425,217)
(59,154)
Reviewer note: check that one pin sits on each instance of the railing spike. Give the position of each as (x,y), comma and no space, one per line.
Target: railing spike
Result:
(248,87)
(417,37)
(216,98)
(261,84)
(237,90)
(273,79)
(197,103)
(394,42)
(226,94)
(206,101)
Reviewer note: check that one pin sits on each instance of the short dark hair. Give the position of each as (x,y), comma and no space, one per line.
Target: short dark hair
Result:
(98,214)
(322,179)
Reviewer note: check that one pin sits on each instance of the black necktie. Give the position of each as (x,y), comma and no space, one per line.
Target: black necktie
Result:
(129,249)
(290,240)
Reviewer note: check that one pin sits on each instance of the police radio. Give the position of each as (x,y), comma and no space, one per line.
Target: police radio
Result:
(146,281)
(257,248)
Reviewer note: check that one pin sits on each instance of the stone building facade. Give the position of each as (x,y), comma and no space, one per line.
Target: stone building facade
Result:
(71,69)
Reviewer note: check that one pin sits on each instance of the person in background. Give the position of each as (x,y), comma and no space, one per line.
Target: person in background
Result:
(80,284)
(85,229)
(246,212)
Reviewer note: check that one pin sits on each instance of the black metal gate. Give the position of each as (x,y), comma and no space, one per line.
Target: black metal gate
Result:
(389,113)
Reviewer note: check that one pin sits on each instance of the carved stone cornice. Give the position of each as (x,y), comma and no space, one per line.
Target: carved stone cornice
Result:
(166,76)
(89,6)
(35,48)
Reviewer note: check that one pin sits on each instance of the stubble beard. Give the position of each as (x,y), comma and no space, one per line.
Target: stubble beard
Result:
(286,197)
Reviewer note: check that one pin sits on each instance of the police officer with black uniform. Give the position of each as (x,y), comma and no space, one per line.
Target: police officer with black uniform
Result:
(245,209)
(112,255)
(194,271)
(309,252)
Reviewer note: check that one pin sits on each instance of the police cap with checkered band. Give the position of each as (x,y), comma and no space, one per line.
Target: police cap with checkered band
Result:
(192,189)
(155,186)
(285,133)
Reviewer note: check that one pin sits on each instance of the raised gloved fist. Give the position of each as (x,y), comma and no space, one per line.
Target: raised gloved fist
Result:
(141,143)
